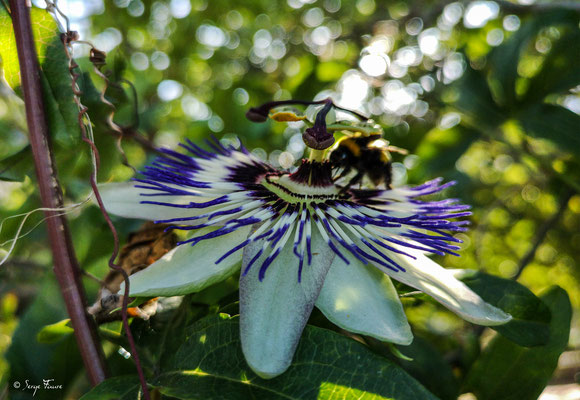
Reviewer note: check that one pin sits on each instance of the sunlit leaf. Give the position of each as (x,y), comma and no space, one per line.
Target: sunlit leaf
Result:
(54,332)
(43,29)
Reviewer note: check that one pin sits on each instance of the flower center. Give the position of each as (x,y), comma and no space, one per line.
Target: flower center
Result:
(311,183)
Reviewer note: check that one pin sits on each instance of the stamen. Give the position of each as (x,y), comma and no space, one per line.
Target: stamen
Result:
(314,174)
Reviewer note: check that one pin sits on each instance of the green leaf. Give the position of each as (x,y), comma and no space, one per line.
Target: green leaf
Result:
(117,388)
(43,29)
(506,371)
(530,323)
(62,112)
(15,168)
(429,367)
(554,123)
(54,332)
(210,365)
(61,109)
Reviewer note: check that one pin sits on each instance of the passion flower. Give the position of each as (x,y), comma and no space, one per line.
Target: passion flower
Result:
(301,239)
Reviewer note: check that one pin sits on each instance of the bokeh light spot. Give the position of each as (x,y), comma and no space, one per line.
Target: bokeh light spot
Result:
(169,90)
(374,64)
(479,12)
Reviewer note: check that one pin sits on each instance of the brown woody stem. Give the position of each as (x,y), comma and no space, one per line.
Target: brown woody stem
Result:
(66,266)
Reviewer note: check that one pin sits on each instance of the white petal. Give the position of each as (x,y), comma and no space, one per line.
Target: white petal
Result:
(273,312)
(124,199)
(362,299)
(188,269)
(429,277)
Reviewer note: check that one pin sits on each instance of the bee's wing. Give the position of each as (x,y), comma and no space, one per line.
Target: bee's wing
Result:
(395,149)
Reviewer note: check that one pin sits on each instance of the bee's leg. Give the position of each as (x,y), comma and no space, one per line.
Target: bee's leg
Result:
(344,173)
(388,172)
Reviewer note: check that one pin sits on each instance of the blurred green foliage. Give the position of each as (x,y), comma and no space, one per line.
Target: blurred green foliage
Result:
(484,93)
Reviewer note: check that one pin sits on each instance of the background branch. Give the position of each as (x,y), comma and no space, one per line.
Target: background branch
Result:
(542,232)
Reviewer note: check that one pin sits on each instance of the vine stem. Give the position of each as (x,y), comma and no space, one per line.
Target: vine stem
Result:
(66,266)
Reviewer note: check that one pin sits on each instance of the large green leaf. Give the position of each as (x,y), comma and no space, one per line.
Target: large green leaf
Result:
(554,123)
(61,109)
(429,367)
(43,29)
(210,365)
(529,326)
(15,168)
(117,388)
(506,371)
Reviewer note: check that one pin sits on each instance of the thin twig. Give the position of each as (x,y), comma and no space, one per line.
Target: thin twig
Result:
(145,142)
(97,58)
(65,263)
(542,232)
(116,267)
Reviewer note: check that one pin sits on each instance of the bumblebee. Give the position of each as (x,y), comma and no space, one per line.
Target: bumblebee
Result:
(368,155)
